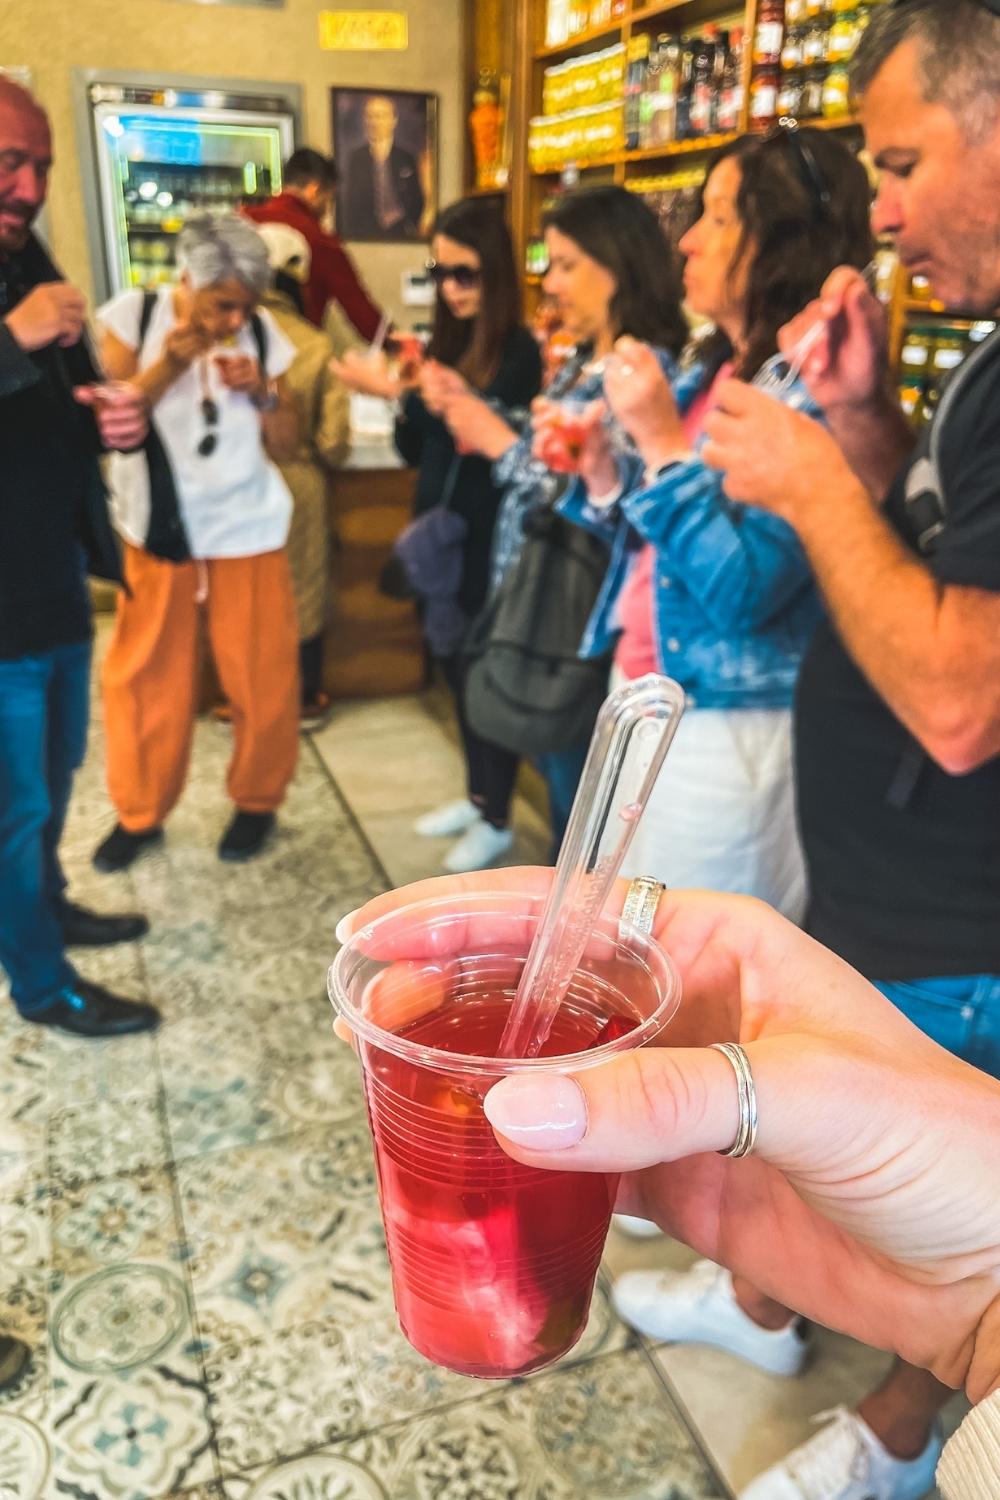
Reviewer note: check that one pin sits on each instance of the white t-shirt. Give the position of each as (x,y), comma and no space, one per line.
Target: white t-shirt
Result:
(233,502)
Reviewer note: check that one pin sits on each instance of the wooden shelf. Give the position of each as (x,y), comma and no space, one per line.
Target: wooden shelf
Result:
(598,164)
(680,148)
(847,122)
(610,33)
(704,10)
(915,310)
(486,192)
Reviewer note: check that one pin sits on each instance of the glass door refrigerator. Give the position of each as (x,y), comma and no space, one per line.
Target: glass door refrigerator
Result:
(163,154)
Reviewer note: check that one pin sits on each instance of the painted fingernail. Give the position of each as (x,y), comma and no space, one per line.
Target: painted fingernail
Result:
(343,929)
(547,1114)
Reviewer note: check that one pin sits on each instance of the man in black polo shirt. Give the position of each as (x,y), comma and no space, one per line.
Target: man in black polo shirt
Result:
(898,710)
(54,420)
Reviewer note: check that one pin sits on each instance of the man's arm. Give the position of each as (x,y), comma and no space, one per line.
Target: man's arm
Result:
(930,650)
(341,283)
(875,438)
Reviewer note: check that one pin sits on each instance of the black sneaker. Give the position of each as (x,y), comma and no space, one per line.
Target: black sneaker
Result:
(120,848)
(87,1009)
(246,835)
(14,1355)
(92,929)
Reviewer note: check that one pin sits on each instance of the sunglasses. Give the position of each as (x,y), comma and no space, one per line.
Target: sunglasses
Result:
(812,178)
(209,443)
(464,277)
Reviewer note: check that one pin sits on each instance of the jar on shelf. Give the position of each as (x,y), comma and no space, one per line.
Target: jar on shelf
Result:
(769,34)
(795,12)
(790,95)
(814,45)
(811,105)
(792,52)
(764,89)
(837,93)
(843,37)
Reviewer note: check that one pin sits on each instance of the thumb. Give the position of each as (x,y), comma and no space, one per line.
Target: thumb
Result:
(86,395)
(650,1106)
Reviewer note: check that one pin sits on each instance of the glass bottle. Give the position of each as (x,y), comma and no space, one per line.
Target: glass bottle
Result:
(764,89)
(702,66)
(811,104)
(769,33)
(730,106)
(635,83)
(663,127)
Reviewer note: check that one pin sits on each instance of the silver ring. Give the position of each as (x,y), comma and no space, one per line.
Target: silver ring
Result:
(746,1135)
(641,902)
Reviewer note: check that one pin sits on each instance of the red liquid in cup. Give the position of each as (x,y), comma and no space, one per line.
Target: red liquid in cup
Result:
(572,430)
(493,1263)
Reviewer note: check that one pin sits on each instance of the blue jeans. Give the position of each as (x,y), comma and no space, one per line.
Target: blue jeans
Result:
(562,770)
(44,705)
(961,1013)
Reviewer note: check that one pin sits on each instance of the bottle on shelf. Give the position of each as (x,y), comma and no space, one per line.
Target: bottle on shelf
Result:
(764,89)
(635,85)
(663,118)
(769,34)
(702,75)
(811,103)
(684,91)
(837,93)
(730,105)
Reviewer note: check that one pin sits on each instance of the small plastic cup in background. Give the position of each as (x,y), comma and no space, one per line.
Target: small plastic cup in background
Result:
(572,425)
(493,1263)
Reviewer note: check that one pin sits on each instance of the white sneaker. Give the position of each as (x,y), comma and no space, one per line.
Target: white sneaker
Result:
(478,848)
(636,1229)
(699,1307)
(447,821)
(846,1461)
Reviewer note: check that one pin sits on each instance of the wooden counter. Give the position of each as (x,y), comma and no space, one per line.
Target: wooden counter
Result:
(374,645)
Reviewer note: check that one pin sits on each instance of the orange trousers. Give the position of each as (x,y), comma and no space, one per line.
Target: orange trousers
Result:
(151,671)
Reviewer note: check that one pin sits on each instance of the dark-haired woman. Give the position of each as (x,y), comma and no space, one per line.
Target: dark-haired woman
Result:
(718,596)
(479,341)
(610,275)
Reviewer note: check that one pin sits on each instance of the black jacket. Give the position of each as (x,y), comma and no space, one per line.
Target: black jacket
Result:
(54,523)
(465,482)
(356,203)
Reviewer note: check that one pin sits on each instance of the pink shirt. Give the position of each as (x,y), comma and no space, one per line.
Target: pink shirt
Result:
(635,654)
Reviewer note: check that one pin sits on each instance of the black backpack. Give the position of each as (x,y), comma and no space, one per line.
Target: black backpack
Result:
(526,688)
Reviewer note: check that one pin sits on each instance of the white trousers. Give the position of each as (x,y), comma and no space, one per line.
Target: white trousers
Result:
(722,814)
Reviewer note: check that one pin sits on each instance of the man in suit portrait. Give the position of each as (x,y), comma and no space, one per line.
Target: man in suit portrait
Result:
(382,195)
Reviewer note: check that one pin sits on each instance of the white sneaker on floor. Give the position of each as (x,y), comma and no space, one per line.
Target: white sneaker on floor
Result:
(699,1307)
(846,1461)
(635,1228)
(447,821)
(478,848)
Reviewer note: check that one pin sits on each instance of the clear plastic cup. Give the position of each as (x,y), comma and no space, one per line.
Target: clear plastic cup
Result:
(493,1263)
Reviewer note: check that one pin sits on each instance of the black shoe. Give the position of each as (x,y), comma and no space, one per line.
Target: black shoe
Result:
(87,1009)
(120,848)
(92,929)
(246,835)
(13,1357)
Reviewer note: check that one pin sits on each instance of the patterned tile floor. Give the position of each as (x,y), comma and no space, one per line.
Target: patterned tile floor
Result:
(189,1234)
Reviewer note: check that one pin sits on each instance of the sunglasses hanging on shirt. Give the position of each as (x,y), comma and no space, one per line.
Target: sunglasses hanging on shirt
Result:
(464,277)
(210,413)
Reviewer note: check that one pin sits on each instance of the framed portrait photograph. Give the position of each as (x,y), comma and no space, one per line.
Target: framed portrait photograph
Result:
(385,145)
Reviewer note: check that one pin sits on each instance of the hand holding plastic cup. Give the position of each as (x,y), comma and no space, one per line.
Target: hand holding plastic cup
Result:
(570,422)
(409,351)
(493,1263)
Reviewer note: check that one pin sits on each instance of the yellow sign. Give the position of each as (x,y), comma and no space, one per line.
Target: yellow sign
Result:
(363,31)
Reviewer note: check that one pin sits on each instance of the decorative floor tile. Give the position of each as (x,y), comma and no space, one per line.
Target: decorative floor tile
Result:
(25,1459)
(270,1073)
(285,1234)
(121,1318)
(601,1431)
(110,1221)
(135,1438)
(117,1133)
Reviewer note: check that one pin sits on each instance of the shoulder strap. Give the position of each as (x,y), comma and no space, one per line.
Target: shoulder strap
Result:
(146,315)
(260,339)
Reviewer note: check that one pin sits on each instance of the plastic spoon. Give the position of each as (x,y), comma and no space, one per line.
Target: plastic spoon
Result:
(633,733)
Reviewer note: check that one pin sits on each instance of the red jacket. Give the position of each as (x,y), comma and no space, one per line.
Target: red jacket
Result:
(332,277)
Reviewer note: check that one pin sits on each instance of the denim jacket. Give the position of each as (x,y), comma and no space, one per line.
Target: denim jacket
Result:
(525,480)
(735,600)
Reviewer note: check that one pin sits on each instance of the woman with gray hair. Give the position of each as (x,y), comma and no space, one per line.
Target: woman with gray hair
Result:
(203,513)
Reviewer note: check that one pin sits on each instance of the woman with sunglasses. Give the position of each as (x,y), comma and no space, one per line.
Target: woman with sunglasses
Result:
(203,513)
(718,596)
(477,339)
(609,275)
